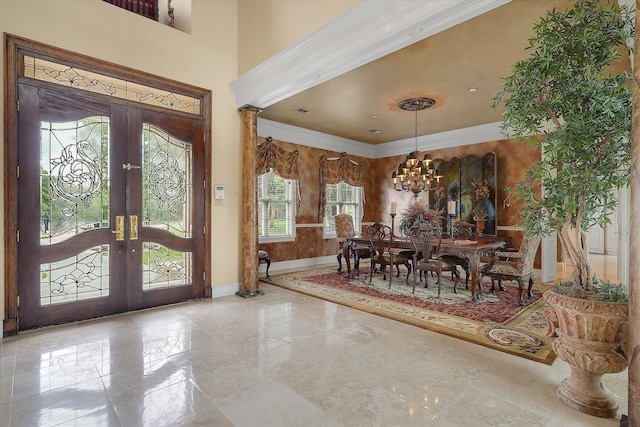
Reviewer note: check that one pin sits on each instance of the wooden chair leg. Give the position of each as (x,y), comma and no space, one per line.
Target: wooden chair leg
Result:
(455,275)
(532,279)
(520,291)
(263,256)
(467,271)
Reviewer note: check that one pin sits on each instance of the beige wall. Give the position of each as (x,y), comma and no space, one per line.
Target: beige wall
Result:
(207,58)
(269,26)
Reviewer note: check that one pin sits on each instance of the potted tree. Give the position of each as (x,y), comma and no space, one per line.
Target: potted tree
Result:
(569,96)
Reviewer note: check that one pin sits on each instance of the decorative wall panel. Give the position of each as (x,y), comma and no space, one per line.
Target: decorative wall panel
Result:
(465,179)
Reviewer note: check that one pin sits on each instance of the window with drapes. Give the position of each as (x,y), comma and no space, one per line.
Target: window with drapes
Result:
(334,170)
(278,195)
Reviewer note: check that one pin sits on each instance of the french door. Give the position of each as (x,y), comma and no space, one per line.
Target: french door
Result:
(110,207)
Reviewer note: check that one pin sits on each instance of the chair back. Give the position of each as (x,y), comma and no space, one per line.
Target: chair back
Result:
(528,250)
(344,226)
(380,238)
(379,234)
(463,230)
(426,238)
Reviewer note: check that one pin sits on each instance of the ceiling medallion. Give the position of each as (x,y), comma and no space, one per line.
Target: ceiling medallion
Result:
(416,104)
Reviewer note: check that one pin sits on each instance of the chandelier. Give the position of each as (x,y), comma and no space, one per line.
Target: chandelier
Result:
(416,175)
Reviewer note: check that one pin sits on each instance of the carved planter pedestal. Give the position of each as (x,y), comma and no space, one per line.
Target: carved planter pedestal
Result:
(590,336)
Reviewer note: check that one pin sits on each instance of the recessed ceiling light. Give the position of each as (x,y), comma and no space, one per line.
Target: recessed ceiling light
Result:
(374,116)
(302,110)
(473,89)
(376,131)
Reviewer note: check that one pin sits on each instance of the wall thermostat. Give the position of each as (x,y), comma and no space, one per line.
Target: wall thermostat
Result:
(219,192)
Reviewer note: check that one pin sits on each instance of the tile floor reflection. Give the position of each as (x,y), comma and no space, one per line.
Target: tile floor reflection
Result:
(281,359)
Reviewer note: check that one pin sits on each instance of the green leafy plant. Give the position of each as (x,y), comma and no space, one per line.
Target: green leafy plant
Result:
(566,97)
(610,292)
(599,291)
(418,213)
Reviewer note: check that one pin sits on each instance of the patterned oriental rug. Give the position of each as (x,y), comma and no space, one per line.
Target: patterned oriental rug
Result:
(496,321)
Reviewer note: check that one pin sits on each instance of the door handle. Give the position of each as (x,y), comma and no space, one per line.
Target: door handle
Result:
(119,231)
(133,227)
(129,166)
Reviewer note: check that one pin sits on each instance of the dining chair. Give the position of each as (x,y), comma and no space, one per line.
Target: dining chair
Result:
(426,240)
(380,238)
(344,230)
(462,230)
(515,265)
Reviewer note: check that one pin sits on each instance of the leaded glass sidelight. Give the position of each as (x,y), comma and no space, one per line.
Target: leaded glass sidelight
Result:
(167,193)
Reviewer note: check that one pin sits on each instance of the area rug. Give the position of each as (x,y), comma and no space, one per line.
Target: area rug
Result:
(496,321)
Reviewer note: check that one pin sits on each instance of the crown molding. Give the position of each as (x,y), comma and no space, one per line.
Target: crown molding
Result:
(368,31)
(311,138)
(454,138)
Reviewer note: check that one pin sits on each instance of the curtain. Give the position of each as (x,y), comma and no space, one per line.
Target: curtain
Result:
(284,163)
(336,169)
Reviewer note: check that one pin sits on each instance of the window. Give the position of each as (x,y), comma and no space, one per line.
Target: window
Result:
(276,208)
(341,198)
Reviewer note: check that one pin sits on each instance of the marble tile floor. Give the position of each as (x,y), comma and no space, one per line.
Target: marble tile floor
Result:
(280,359)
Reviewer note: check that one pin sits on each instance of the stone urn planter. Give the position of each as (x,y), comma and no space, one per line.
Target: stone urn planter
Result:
(591,337)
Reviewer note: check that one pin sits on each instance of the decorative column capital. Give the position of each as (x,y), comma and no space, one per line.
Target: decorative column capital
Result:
(250,108)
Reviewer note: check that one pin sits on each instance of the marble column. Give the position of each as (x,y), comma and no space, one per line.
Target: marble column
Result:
(633,347)
(249,286)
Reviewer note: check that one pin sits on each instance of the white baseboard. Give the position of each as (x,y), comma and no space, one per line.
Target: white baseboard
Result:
(299,264)
(220,291)
(224,290)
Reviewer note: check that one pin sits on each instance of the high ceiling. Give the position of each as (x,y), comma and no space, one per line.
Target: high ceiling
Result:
(460,68)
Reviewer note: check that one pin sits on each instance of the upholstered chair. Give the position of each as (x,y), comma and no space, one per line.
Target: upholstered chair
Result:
(426,240)
(344,230)
(516,265)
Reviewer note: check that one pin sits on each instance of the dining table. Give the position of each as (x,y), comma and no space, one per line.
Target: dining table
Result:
(473,249)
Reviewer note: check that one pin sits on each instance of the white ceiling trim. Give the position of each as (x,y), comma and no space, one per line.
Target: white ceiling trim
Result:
(310,138)
(366,32)
(454,138)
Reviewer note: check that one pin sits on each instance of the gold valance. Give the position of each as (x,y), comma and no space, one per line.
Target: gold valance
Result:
(284,163)
(336,169)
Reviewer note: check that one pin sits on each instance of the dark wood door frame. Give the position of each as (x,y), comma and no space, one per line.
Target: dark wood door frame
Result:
(15,50)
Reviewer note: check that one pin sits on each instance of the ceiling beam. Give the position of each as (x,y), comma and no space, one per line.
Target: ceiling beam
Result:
(366,32)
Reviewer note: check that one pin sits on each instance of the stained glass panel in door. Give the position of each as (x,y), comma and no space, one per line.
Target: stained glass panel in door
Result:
(167,188)
(74,199)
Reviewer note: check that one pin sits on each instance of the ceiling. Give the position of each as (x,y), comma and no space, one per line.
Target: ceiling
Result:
(460,68)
